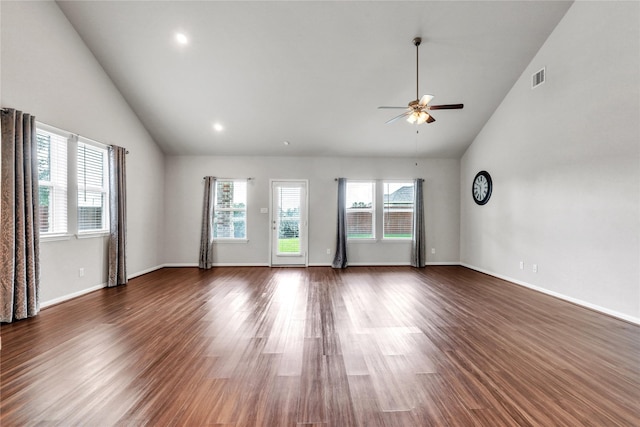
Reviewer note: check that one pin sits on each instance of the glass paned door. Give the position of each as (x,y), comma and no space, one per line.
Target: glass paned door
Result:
(289,223)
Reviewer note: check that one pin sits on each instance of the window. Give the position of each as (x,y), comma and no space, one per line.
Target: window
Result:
(360,210)
(289,216)
(52,180)
(398,210)
(93,178)
(60,155)
(230,211)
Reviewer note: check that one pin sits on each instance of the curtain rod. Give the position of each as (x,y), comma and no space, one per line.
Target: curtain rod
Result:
(5,109)
(381,179)
(79,136)
(229,179)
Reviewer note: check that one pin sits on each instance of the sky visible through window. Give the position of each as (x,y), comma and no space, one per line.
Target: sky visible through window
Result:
(359,192)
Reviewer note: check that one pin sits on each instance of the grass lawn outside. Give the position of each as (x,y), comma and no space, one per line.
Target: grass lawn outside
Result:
(289,246)
(292,246)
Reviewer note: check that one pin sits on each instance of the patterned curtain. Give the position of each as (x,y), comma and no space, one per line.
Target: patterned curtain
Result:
(117,216)
(418,251)
(340,259)
(20,218)
(206,231)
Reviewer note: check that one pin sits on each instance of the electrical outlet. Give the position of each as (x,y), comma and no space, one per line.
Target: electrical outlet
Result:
(328,251)
(81,272)
(433,250)
(521,265)
(535,268)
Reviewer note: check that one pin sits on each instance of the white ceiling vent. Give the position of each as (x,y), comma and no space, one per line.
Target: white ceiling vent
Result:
(538,78)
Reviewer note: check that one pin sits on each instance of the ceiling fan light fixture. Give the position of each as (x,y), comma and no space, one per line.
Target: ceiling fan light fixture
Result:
(422,117)
(413,117)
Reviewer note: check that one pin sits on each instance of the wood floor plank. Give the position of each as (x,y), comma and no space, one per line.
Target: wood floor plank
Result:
(365,346)
(311,401)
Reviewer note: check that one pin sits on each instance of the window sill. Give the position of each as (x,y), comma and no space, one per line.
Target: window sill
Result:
(372,240)
(216,241)
(92,235)
(55,237)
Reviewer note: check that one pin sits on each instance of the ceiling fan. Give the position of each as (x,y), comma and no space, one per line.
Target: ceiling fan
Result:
(418,109)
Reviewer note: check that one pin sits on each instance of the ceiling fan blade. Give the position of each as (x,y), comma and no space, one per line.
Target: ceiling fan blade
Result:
(446,107)
(391,108)
(425,100)
(405,114)
(430,119)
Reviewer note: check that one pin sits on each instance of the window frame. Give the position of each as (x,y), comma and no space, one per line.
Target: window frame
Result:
(104,189)
(244,209)
(385,209)
(371,209)
(58,183)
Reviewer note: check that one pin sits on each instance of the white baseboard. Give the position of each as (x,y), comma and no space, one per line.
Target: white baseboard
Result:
(241,264)
(73,295)
(217,264)
(396,264)
(180,264)
(604,310)
(81,292)
(145,271)
(311,264)
(379,264)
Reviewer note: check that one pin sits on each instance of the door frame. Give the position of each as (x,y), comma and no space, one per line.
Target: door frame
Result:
(305,245)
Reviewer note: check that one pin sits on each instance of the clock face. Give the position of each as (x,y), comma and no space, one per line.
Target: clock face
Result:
(481,188)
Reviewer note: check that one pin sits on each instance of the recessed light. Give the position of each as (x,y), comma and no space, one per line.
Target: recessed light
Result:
(218,127)
(286,143)
(181,38)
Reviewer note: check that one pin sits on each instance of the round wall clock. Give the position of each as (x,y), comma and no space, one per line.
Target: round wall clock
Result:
(481,188)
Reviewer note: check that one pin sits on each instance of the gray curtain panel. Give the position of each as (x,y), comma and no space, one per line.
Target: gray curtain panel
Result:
(340,258)
(20,225)
(418,252)
(117,216)
(206,231)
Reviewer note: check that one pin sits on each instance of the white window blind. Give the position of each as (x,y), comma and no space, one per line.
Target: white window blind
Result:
(360,210)
(288,219)
(230,210)
(398,210)
(52,180)
(92,188)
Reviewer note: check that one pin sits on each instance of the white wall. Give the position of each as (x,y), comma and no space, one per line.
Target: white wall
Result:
(565,162)
(49,72)
(184,193)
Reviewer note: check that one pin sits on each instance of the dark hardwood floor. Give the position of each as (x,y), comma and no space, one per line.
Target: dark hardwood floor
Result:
(379,346)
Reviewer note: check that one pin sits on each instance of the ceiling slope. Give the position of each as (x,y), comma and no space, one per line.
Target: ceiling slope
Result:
(312,73)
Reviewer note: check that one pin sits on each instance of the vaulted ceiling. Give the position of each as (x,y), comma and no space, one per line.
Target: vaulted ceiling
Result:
(312,73)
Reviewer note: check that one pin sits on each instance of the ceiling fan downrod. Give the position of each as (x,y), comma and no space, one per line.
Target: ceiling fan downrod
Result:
(417,42)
